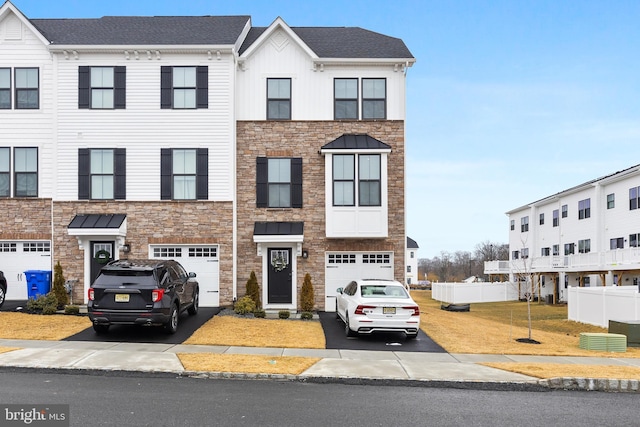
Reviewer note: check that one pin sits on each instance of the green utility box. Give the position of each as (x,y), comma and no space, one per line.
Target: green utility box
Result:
(630,328)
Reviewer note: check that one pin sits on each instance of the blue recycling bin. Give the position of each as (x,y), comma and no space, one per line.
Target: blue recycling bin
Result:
(38,282)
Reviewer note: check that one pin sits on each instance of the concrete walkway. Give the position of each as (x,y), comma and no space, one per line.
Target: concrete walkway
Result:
(347,366)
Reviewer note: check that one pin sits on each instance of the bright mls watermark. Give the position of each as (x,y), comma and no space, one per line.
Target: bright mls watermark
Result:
(34,415)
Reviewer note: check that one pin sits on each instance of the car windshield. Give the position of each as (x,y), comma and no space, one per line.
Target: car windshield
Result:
(383,291)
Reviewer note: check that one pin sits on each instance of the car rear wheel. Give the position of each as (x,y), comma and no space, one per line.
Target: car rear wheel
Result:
(172,325)
(347,330)
(101,329)
(2,295)
(193,310)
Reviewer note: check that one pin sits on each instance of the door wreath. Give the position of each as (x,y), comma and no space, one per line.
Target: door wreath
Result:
(102,256)
(278,262)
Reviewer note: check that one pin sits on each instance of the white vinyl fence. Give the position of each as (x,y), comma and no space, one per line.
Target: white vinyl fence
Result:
(598,305)
(465,293)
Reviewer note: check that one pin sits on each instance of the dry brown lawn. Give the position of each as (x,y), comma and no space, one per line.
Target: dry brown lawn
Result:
(7,349)
(233,331)
(22,326)
(557,370)
(254,364)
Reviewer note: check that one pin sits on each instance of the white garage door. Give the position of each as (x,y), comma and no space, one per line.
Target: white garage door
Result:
(343,267)
(19,256)
(200,259)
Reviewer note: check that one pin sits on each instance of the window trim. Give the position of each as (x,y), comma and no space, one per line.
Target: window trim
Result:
(262,182)
(556,217)
(119,173)
(565,211)
(365,100)
(524,224)
(167,88)
(18,90)
(7,89)
(356,180)
(7,173)
(85,90)
(611,201)
(336,100)
(166,173)
(634,198)
(584,209)
(289,99)
(16,173)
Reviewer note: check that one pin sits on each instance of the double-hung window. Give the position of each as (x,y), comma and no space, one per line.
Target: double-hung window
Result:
(26,172)
(556,218)
(556,250)
(611,201)
(634,198)
(102,174)
(278,182)
(374,99)
(5,172)
(634,240)
(5,88)
(569,248)
(184,174)
(345,94)
(617,243)
(524,224)
(278,99)
(565,211)
(184,87)
(367,175)
(584,209)
(27,81)
(512,224)
(102,88)
(545,251)
(541,219)
(584,246)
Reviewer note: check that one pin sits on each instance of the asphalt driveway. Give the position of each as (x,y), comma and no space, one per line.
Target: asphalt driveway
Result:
(336,339)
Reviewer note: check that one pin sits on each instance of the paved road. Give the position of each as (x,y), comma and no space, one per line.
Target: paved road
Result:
(113,400)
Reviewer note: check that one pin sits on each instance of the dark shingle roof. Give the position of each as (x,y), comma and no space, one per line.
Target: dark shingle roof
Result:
(282,228)
(342,42)
(412,244)
(97,221)
(356,142)
(136,30)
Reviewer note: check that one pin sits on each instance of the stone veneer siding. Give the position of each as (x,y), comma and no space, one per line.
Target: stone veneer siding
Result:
(305,139)
(25,219)
(159,222)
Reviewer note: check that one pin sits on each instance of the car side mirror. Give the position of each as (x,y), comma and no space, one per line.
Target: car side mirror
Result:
(339,290)
(192,274)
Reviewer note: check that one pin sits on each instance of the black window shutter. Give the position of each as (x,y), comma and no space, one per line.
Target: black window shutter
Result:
(84,171)
(84,98)
(166,83)
(165,173)
(262,181)
(120,88)
(120,175)
(202,87)
(202,174)
(296,182)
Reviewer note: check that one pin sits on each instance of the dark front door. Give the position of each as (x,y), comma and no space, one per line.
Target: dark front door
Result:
(279,291)
(101,253)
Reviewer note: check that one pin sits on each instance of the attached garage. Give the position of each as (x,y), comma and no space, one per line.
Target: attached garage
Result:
(16,257)
(343,267)
(200,259)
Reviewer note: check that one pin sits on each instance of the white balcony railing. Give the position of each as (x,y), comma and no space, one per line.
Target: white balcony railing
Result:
(618,259)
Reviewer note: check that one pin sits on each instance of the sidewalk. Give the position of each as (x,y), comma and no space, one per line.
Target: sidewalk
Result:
(345,366)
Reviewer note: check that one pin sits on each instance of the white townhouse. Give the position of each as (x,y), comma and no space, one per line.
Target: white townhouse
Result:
(411,260)
(228,147)
(588,235)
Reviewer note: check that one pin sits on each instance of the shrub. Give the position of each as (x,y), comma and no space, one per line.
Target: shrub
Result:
(259,314)
(45,304)
(58,286)
(72,309)
(306,315)
(306,294)
(244,305)
(253,289)
(284,314)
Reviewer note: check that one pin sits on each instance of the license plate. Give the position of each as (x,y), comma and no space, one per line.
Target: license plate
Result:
(388,310)
(122,297)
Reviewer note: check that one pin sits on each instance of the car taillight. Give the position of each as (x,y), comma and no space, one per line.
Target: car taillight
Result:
(157,294)
(415,308)
(360,309)
(91,295)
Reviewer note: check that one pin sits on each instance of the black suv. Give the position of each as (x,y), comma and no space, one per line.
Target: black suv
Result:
(142,292)
(3,288)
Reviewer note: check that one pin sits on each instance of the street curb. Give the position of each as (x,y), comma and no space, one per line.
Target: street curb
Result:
(561,383)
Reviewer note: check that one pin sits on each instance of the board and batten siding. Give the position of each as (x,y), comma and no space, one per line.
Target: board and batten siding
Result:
(29,128)
(311,90)
(143,128)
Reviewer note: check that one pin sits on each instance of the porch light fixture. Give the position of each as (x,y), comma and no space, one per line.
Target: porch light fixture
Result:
(126,248)
(305,254)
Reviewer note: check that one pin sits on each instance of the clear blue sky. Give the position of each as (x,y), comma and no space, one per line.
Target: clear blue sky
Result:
(509,101)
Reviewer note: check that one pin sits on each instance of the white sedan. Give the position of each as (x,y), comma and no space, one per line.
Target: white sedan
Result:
(368,306)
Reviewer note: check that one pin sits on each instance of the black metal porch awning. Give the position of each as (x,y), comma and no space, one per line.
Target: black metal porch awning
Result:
(97,221)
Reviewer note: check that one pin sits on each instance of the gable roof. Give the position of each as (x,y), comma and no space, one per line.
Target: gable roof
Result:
(138,30)
(342,42)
